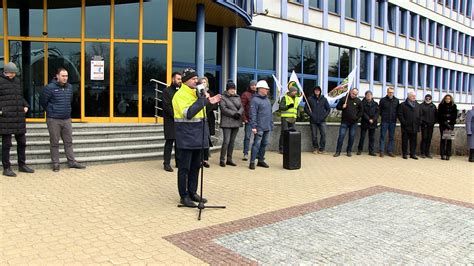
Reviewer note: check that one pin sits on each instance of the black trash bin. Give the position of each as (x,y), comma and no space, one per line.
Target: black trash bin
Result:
(292,150)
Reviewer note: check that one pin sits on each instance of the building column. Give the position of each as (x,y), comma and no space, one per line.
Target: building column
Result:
(357,54)
(415,77)
(397,25)
(358,12)
(325,75)
(395,74)
(372,19)
(435,37)
(417,33)
(463,47)
(448,80)
(259,6)
(442,41)
(441,82)
(200,37)
(284,59)
(405,77)
(427,34)
(455,81)
(284,9)
(233,53)
(433,85)
(385,20)
(450,44)
(384,74)
(423,79)
(342,13)
(407,29)
(371,71)
(325,13)
(305,11)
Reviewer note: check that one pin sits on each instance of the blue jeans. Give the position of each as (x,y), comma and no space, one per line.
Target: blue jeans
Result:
(342,134)
(384,126)
(248,134)
(260,142)
(314,134)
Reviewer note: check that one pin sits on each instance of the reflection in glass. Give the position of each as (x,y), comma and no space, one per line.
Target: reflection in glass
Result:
(377,67)
(246,48)
(126,80)
(310,58)
(349,10)
(363,65)
(126,20)
(428,76)
(154,67)
(210,48)
(31,16)
(410,73)
(333,6)
(389,72)
(364,10)
(400,76)
(333,61)
(68,56)
(184,50)
(243,80)
(97,19)
(339,63)
(64,21)
(155,21)
(420,74)
(29,57)
(266,48)
(294,55)
(315,3)
(97,91)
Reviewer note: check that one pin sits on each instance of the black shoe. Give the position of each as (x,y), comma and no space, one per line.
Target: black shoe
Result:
(77,165)
(55,167)
(231,163)
(423,156)
(252,166)
(9,172)
(414,157)
(337,154)
(372,154)
(187,202)
(168,168)
(448,157)
(429,156)
(443,157)
(405,157)
(263,164)
(349,154)
(391,154)
(197,198)
(25,169)
(222,164)
(206,164)
(359,153)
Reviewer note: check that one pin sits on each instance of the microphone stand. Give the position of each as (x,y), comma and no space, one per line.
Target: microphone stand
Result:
(201,205)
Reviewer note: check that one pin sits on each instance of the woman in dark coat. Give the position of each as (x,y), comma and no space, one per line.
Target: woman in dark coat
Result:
(469,130)
(12,119)
(447,114)
(231,112)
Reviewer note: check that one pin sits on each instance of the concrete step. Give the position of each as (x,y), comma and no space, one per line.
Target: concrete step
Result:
(88,127)
(88,143)
(100,134)
(95,151)
(95,160)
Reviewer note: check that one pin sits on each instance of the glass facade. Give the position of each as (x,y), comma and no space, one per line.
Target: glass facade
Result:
(303,59)
(339,65)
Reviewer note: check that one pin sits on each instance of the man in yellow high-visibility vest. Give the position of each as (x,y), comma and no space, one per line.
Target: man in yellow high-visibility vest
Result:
(192,134)
(289,112)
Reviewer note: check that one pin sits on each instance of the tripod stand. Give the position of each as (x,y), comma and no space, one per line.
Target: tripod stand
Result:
(201,205)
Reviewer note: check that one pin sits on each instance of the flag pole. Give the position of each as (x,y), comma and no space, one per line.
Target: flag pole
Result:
(307,102)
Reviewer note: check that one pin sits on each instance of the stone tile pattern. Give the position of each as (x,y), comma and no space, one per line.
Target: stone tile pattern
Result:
(384,228)
(374,225)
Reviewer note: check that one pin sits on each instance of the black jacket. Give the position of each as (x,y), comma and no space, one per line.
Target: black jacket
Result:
(56,99)
(353,112)
(389,109)
(320,108)
(371,111)
(12,104)
(428,114)
(168,113)
(409,117)
(447,114)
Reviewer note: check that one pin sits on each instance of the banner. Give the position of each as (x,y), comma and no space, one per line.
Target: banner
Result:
(343,88)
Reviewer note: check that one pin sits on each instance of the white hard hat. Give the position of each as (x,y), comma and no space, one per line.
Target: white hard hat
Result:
(262,84)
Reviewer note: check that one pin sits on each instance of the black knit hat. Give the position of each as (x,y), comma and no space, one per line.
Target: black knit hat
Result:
(428,96)
(230,85)
(188,74)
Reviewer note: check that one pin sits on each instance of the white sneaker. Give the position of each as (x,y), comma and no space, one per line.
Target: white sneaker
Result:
(245,158)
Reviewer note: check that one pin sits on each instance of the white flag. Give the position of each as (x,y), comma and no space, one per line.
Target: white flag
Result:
(341,90)
(275,106)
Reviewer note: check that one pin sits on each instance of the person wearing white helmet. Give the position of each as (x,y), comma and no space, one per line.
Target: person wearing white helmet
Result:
(261,122)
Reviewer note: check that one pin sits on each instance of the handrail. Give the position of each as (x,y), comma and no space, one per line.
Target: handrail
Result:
(157,97)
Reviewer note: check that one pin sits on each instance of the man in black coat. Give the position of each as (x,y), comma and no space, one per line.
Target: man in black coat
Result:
(13,108)
(368,123)
(318,110)
(388,106)
(168,120)
(409,116)
(428,113)
(351,108)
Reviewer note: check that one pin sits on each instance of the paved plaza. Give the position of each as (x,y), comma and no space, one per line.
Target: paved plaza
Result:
(364,210)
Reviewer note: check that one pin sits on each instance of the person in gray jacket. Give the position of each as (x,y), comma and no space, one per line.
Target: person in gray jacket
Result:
(231,112)
(261,121)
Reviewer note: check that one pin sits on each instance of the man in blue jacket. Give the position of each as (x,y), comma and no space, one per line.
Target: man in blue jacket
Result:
(261,121)
(318,109)
(56,99)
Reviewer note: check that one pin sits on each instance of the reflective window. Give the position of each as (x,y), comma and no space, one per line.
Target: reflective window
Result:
(429,76)
(303,59)
(447,37)
(155,19)
(154,67)
(64,20)
(339,64)
(310,58)
(401,76)
(97,19)
(460,42)
(403,21)
(211,53)
(439,35)
(421,29)
(334,6)
(377,67)
(378,14)
(266,50)
(363,65)
(365,11)
(97,88)
(413,25)
(349,11)
(213,77)
(294,55)
(438,74)
(454,40)
(68,56)
(126,80)
(411,73)
(1,19)
(243,80)
(271,83)
(1,55)
(389,72)
(431,29)
(391,17)
(420,74)
(245,48)
(315,3)
(126,20)
(29,58)
(184,50)
(309,85)
(445,80)
(32,15)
